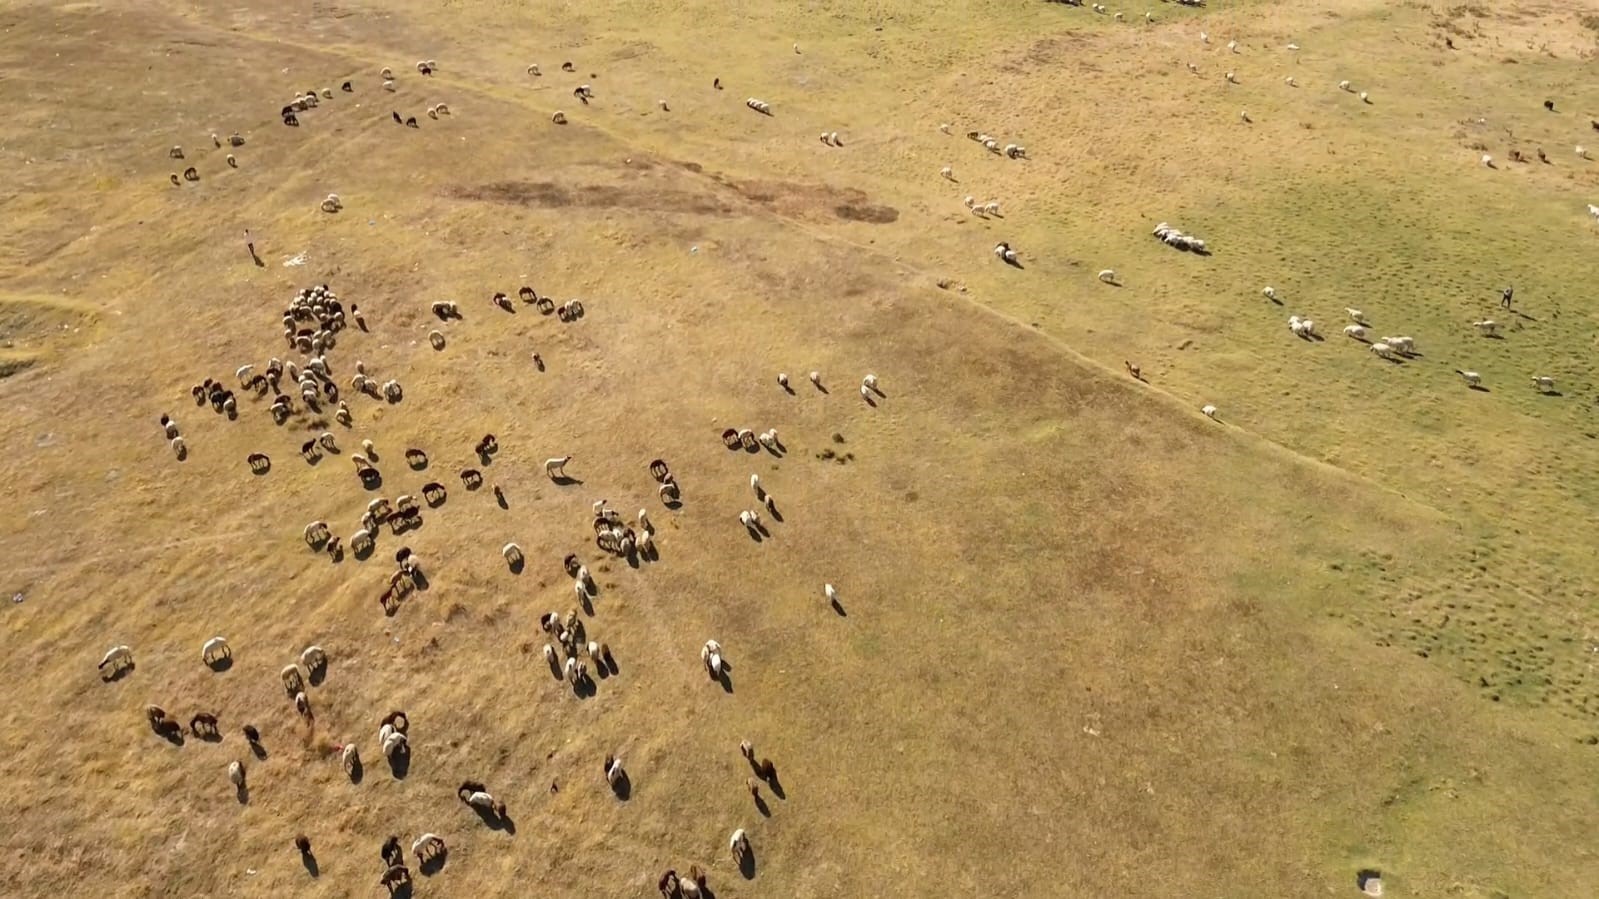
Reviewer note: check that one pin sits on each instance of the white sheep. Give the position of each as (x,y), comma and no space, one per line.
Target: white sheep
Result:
(1382,350)
(1344,86)
(1209,411)
(613,772)
(512,553)
(739,845)
(869,382)
(1233,46)
(549,653)
(116,659)
(816,378)
(1290,81)
(1406,345)
(214,650)
(427,846)
(243,374)
(1356,316)
(711,656)
(646,543)
(1471,378)
(236,773)
(768,439)
(1582,151)
(328,442)
(1544,383)
(1487,160)
(782,380)
(1232,77)
(316,532)
(749,519)
(1269,292)
(534,70)
(755,485)
(314,658)
(1108,275)
(1364,98)
(349,757)
(559,118)
(1486,327)
(556,468)
(179,448)
(948,172)
(1355,331)
(830,592)
(393,743)
(387,74)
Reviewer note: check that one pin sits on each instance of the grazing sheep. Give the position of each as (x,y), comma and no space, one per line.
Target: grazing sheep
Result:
(556,468)
(749,519)
(613,770)
(1290,81)
(534,70)
(512,554)
(831,593)
(947,172)
(179,448)
(293,681)
(1382,350)
(1356,316)
(332,203)
(302,704)
(559,118)
(1344,86)
(1232,77)
(316,532)
(1544,383)
(236,773)
(1209,411)
(314,658)
(739,845)
(1406,345)
(116,659)
(427,846)
(214,650)
(394,742)
(1269,292)
(1108,276)
(711,656)
(1355,331)
(1486,327)
(349,757)
(755,485)
(1364,98)
(1471,378)
(1487,160)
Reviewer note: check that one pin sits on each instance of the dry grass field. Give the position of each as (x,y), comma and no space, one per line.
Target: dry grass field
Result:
(1089,643)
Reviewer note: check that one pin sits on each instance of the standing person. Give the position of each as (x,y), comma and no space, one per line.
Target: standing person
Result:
(249,244)
(1506,296)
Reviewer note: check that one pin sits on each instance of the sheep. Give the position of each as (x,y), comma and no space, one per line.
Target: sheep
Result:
(1544,384)
(1406,345)
(1209,411)
(947,173)
(644,522)
(1355,331)
(179,448)
(1382,350)
(1290,81)
(534,70)
(989,208)
(436,338)
(1233,46)
(669,492)
(711,656)
(293,682)
(314,658)
(332,203)
(512,554)
(115,659)
(768,439)
(1232,77)
(613,770)
(349,757)
(1269,292)
(1486,327)
(1487,160)
(750,519)
(1344,86)
(1364,98)
(1004,251)
(1471,378)
(236,773)
(169,427)
(427,846)
(1108,276)
(395,742)
(214,650)
(1583,152)
(316,532)
(816,379)
(739,845)
(232,163)
(327,441)
(755,485)
(559,118)
(175,153)
(302,704)
(866,394)
(1356,316)
(556,467)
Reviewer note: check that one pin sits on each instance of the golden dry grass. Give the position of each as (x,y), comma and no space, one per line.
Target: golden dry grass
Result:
(1093,643)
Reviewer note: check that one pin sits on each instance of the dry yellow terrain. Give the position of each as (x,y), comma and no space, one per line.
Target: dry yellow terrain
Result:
(1091,643)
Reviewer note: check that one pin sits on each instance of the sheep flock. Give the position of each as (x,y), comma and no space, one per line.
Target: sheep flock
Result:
(790,413)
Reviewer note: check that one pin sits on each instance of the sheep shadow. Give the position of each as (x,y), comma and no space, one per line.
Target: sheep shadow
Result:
(555,669)
(118,674)
(499,497)
(219,665)
(259,751)
(725,679)
(567,481)
(403,891)
(434,864)
(839,608)
(746,864)
(788,390)
(318,675)
(242,793)
(209,736)
(1274,301)
(1494,336)
(517,565)
(623,788)
(632,560)
(822,388)
(357,771)
(371,479)
(1392,360)
(674,503)
(614,668)
(762,807)
(169,731)
(361,555)
(1479,388)
(309,860)
(771,509)
(756,532)
(1550,393)
(585,688)
(870,400)
(400,764)
(1015,263)
(420,580)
